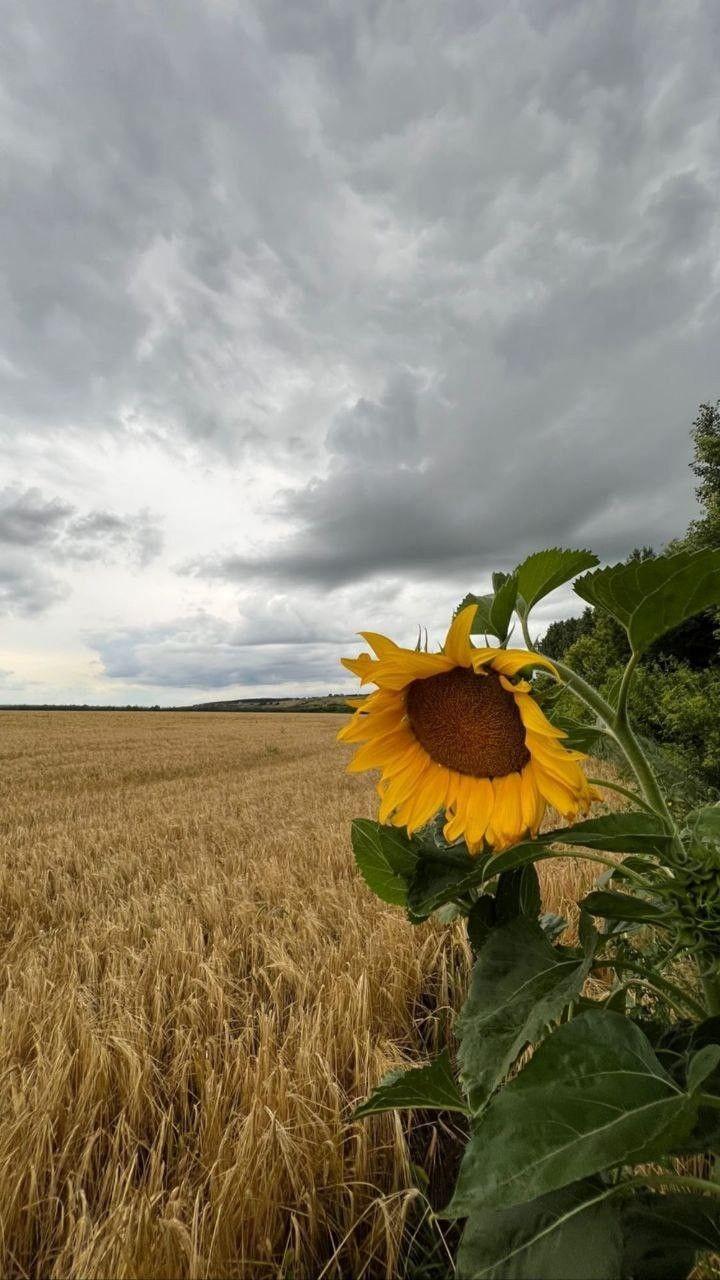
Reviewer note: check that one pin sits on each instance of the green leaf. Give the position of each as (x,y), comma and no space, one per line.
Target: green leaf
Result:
(518,894)
(482,622)
(431,1087)
(385,857)
(613,833)
(616,833)
(702,1065)
(519,984)
(571,1234)
(494,611)
(578,736)
(594,1095)
(650,597)
(678,1049)
(623,906)
(502,607)
(665,1233)
(679,1044)
(543,571)
(481,921)
(436,881)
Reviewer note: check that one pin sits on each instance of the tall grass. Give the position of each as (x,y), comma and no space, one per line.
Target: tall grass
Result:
(195,987)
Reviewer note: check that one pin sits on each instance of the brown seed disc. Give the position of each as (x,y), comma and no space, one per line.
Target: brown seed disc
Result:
(468,723)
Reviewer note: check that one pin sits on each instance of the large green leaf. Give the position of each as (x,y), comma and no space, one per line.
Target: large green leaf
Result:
(482,622)
(431,1087)
(436,881)
(386,859)
(481,921)
(543,571)
(650,597)
(494,611)
(594,1095)
(613,833)
(665,1233)
(503,606)
(623,906)
(573,1234)
(519,984)
(518,894)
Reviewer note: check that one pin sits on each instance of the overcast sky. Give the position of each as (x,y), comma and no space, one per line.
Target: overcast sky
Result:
(314,314)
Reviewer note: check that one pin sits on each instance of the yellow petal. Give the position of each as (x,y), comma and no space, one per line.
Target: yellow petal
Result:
(384,750)
(509,661)
(380,644)
(507,820)
(533,804)
(555,793)
(533,718)
(400,788)
(458,794)
(401,668)
(457,645)
(429,797)
(361,666)
(520,686)
(366,725)
(480,806)
(482,658)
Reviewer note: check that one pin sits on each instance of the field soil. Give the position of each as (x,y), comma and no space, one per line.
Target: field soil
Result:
(195,988)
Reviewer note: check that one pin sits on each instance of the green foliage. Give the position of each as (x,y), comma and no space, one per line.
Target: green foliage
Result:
(680,709)
(624,906)
(650,597)
(431,1087)
(520,984)
(494,611)
(624,832)
(663,1234)
(544,571)
(706,437)
(572,1234)
(560,635)
(594,1095)
(598,651)
(385,857)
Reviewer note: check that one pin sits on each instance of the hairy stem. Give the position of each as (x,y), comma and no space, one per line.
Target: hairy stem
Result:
(711,991)
(672,1180)
(663,986)
(625,686)
(623,791)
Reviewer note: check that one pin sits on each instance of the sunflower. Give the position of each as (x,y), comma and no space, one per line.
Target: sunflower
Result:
(457,732)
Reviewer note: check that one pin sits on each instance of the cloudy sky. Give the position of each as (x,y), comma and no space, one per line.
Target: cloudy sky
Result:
(314,314)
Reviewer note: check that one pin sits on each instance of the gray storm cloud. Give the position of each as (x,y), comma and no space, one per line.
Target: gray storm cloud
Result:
(450,270)
(40,535)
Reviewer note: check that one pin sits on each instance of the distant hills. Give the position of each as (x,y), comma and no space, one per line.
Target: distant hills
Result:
(333,702)
(328,702)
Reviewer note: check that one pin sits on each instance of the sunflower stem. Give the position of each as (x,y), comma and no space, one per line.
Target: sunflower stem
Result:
(711,990)
(625,686)
(618,726)
(623,791)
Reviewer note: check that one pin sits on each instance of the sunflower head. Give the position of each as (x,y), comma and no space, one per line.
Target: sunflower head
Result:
(459,732)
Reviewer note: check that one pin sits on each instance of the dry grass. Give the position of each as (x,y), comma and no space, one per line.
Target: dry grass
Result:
(196,986)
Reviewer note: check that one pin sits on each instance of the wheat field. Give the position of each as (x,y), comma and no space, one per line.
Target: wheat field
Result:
(196,987)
